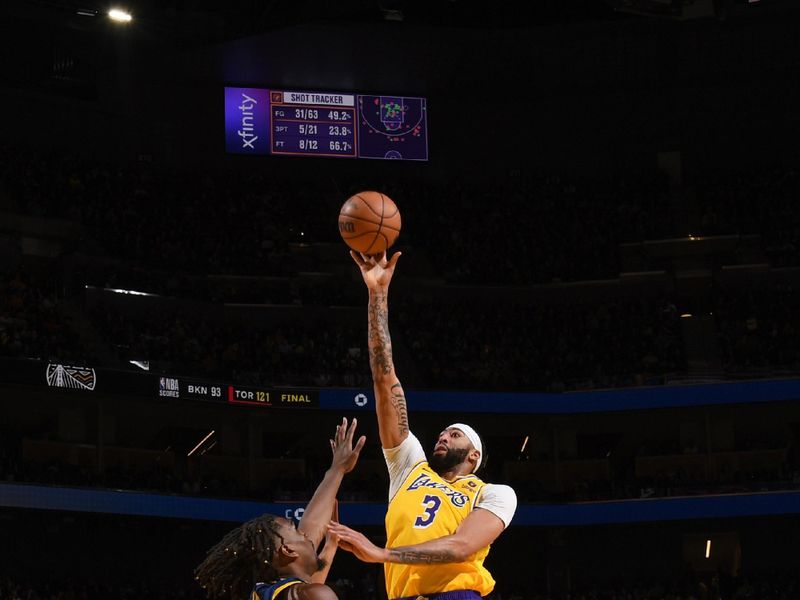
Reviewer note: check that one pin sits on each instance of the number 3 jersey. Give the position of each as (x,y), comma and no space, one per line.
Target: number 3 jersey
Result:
(423,506)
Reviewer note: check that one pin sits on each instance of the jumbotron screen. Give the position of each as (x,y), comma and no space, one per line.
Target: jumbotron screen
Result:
(298,123)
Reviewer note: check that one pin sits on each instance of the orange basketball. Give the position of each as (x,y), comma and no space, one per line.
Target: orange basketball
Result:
(369,222)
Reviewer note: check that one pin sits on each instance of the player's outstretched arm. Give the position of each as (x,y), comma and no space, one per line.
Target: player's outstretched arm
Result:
(390,400)
(345,455)
(328,550)
(477,531)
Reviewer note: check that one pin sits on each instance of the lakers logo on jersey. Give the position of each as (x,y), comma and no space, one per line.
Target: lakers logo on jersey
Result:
(427,507)
(457,498)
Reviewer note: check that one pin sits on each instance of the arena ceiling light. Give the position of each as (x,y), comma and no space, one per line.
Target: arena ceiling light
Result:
(119,15)
(121,291)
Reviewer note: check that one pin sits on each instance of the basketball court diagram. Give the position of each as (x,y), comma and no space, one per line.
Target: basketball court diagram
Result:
(392,127)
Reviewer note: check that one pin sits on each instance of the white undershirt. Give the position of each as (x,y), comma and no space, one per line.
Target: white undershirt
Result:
(500,500)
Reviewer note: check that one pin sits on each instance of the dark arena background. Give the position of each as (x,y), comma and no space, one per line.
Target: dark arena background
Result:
(600,273)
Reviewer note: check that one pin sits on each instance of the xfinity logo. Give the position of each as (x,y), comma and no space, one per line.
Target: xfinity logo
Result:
(246,120)
(246,132)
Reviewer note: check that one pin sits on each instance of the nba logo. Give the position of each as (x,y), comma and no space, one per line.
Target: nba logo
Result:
(168,387)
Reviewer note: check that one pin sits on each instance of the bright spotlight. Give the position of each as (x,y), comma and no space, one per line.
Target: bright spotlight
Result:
(120,16)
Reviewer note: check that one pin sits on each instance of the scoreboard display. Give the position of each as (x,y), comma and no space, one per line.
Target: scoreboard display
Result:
(305,123)
(236,394)
(299,123)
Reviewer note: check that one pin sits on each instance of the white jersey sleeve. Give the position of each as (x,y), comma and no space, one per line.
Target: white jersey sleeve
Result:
(401,459)
(500,500)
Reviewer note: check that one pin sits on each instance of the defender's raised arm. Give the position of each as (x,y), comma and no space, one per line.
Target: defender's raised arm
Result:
(390,400)
(315,519)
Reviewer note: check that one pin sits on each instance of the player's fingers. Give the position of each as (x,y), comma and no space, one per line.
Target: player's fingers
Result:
(338,527)
(337,534)
(352,431)
(393,261)
(360,444)
(357,258)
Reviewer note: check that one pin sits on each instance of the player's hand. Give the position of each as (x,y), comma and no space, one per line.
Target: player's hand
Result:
(345,455)
(377,269)
(357,543)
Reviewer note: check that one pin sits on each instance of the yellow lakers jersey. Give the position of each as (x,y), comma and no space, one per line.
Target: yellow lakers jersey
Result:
(424,508)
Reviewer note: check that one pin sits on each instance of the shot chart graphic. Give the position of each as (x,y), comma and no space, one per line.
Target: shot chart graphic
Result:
(392,127)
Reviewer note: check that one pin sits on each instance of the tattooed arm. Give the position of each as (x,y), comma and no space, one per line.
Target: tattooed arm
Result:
(390,400)
(477,531)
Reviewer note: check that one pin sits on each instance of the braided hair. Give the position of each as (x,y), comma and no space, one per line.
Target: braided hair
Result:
(242,558)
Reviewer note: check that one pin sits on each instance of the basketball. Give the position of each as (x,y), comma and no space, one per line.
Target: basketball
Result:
(369,222)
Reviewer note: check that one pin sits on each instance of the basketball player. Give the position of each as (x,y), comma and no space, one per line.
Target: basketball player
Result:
(441,517)
(271,559)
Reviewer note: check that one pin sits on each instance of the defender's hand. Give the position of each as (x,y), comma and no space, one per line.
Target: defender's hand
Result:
(345,455)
